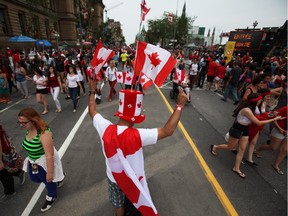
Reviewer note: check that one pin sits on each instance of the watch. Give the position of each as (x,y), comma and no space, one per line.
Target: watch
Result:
(92,92)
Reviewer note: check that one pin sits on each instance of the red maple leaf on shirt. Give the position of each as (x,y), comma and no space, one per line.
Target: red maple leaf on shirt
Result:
(99,61)
(119,76)
(128,78)
(154,59)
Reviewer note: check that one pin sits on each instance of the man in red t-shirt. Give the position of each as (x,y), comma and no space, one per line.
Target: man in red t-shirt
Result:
(211,73)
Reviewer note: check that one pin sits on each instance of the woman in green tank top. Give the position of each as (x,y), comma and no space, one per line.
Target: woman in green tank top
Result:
(43,162)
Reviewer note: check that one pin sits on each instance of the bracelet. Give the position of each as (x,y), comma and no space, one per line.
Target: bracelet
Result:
(92,92)
(179,107)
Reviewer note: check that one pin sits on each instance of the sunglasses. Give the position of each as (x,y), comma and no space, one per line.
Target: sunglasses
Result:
(23,123)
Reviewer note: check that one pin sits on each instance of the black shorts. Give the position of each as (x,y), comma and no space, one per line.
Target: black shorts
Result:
(243,128)
(210,78)
(41,91)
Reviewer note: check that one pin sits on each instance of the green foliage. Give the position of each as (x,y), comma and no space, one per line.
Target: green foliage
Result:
(162,31)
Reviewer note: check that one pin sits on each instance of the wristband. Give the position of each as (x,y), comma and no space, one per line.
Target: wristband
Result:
(92,92)
(179,107)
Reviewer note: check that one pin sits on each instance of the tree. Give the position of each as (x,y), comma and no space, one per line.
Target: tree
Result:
(162,31)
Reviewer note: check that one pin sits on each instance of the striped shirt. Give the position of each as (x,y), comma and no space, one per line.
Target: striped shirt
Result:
(34,146)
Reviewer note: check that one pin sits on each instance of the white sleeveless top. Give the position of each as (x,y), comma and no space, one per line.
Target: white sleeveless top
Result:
(243,120)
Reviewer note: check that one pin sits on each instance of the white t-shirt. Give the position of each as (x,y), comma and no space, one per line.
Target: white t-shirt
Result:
(79,73)
(194,69)
(72,81)
(148,136)
(40,82)
(110,73)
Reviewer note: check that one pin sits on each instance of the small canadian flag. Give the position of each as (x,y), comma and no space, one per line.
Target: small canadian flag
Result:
(128,78)
(144,81)
(120,77)
(170,18)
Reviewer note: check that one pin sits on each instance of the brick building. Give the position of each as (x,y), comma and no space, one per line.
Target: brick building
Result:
(53,20)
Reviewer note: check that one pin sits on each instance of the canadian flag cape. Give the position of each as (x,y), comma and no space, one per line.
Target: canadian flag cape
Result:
(101,56)
(156,63)
(125,159)
(179,76)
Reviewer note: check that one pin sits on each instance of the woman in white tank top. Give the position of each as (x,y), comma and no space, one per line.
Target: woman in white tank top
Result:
(244,114)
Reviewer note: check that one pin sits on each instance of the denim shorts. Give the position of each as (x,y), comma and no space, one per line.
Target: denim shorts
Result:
(276,133)
(116,196)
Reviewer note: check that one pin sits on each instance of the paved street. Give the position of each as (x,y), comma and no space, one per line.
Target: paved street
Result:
(183,177)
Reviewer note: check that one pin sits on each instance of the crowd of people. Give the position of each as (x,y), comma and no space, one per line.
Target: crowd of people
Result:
(259,90)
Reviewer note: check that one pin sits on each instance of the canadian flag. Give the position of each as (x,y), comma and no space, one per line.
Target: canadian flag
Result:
(101,56)
(156,63)
(120,77)
(179,76)
(144,9)
(144,81)
(170,18)
(128,78)
(127,166)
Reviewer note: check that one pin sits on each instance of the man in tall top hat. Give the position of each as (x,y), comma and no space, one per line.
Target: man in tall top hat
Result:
(122,148)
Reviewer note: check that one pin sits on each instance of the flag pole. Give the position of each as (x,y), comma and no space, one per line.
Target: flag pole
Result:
(138,39)
(174,34)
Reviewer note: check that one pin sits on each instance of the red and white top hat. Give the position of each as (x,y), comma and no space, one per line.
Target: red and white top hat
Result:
(130,104)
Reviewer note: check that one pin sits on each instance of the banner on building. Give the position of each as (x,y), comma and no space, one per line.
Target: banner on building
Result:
(247,39)
(230,45)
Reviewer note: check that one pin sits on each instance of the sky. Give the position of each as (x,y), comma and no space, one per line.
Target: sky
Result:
(224,15)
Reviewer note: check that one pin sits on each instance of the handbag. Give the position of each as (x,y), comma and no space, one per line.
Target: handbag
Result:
(235,133)
(11,159)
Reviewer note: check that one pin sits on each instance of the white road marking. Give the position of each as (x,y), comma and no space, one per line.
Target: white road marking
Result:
(61,152)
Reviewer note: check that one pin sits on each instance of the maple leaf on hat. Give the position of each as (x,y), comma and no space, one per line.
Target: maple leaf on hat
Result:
(154,59)
(139,104)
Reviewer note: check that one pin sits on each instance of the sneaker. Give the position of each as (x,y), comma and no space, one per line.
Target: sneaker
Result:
(68,98)
(48,203)
(5,197)
(74,110)
(60,183)
(22,177)
(236,102)
(223,99)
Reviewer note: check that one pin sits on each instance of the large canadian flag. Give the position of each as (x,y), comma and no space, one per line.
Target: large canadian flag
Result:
(101,56)
(156,63)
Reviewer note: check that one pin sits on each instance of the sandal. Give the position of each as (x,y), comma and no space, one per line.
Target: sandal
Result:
(280,172)
(44,112)
(256,153)
(239,173)
(212,150)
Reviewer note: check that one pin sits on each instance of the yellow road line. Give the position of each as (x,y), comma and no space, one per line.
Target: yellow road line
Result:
(229,208)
